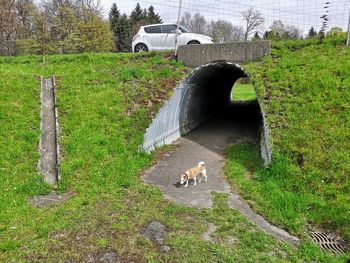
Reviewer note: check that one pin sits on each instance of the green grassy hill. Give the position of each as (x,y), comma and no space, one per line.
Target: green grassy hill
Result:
(304,88)
(105,103)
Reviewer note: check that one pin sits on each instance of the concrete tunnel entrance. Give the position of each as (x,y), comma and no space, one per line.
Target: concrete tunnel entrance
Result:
(205,95)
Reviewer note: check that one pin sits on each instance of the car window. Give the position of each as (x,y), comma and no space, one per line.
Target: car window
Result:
(166,29)
(152,29)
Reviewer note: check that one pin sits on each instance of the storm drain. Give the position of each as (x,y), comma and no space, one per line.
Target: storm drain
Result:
(328,243)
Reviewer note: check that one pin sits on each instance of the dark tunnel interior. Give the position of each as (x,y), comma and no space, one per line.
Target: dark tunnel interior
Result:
(209,98)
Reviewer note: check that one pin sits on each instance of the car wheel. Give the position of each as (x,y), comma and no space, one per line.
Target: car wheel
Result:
(193,42)
(141,48)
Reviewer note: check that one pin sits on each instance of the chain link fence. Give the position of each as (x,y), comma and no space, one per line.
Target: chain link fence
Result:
(75,26)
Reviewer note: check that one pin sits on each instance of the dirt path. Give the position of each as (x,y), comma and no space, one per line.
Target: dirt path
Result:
(207,143)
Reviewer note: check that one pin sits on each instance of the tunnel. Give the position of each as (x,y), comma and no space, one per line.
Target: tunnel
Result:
(206,94)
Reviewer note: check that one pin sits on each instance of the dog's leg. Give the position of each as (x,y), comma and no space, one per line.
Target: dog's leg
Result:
(195,180)
(186,183)
(200,178)
(204,173)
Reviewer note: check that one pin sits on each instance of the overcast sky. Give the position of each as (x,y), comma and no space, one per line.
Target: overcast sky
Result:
(300,13)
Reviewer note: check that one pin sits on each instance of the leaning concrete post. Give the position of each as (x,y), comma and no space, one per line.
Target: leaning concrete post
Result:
(48,140)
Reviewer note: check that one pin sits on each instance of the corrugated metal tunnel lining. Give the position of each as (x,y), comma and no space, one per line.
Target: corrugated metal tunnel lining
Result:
(203,93)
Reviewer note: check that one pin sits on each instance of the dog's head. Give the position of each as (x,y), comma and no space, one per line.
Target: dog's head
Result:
(201,164)
(183,178)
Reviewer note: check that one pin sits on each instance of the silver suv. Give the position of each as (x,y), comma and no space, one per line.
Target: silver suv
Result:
(162,37)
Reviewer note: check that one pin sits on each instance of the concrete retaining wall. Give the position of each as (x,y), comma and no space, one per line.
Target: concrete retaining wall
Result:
(197,55)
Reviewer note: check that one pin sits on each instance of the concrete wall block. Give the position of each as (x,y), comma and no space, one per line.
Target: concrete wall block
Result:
(197,55)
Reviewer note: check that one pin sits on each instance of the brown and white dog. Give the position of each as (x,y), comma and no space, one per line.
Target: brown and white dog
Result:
(192,174)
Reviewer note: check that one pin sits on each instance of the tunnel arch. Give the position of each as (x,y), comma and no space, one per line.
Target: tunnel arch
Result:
(204,92)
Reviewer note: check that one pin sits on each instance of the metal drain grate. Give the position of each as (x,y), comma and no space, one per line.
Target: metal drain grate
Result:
(327,242)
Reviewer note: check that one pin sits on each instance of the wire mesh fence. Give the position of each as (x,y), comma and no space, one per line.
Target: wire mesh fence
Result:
(73,26)
(300,13)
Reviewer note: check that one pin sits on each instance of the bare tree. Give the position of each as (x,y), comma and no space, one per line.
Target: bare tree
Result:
(94,6)
(8,26)
(280,31)
(196,24)
(27,14)
(223,31)
(28,29)
(89,7)
(185,20)
(64,26)
(220,31)
(61,17)
(277,29)
(292,32)
(238,34)
(253,19)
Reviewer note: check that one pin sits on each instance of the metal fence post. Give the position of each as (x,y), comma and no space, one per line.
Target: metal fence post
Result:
(177,27)
(348,37)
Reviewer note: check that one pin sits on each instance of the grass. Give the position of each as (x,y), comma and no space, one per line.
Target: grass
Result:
(243,92)
(261,186)
(304,88)
(105,103)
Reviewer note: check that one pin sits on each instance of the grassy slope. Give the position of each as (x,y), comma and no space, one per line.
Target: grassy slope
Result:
(305,91)
(104,107)
(243,92)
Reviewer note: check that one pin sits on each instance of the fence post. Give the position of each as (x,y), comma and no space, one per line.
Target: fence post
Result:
(348,37)
(177,27)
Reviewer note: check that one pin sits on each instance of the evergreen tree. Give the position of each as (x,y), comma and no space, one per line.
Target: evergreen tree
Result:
(114,16)
(144,14)
(137,14)
(115,22)
(312,32)
(125,36)
(321,34)
(256,37)
(125,28)
(153,18)
(266,35)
